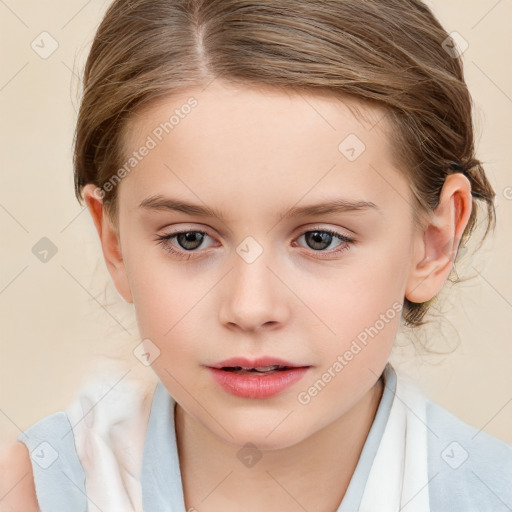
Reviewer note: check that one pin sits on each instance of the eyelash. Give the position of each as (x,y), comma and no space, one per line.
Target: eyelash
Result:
(164,241)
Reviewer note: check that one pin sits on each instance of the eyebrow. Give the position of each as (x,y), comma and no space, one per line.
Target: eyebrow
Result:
(161,203)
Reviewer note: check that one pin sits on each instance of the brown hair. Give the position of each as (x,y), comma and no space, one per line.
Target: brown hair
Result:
(388,53)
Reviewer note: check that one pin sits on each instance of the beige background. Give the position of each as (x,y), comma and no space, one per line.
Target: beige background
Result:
(56,317)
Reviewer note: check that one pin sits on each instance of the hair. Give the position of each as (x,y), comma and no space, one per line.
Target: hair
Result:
(391,54)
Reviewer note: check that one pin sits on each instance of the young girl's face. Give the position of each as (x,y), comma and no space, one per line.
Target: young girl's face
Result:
(266,279)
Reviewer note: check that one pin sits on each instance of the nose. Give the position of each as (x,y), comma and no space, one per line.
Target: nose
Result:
(253,297)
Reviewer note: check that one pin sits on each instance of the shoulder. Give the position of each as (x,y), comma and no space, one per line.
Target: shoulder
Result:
(17,487)
(482,447)
(36,470)
(467,467)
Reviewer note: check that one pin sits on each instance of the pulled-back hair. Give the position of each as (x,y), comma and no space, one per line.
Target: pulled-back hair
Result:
(389,53)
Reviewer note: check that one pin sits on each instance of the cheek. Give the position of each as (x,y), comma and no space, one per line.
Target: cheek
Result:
(359,294)
(345,304)
(160,293)
(173,309)
(362,305)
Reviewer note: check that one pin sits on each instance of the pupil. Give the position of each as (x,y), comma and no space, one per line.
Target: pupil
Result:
(190,240)
(318,237)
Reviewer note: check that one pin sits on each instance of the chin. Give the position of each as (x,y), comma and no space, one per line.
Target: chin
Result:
(265,434)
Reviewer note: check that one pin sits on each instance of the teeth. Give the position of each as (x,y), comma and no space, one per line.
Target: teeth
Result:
(261,369)
(267,368)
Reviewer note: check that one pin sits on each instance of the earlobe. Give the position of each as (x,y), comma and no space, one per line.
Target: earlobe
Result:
(436,246)
(110,242)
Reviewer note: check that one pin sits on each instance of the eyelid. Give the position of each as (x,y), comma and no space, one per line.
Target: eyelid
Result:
(343,232)
(165,240)
(301,231)
(220,234)
(346,230)
(346,242)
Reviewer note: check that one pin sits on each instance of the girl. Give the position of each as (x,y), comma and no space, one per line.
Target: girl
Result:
(277,187)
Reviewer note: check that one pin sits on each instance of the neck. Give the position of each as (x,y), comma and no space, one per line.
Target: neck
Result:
(313,474)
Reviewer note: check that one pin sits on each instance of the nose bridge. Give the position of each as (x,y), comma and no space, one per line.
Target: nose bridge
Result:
(254,297)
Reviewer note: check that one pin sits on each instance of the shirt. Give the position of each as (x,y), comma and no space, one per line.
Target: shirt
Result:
(468,469)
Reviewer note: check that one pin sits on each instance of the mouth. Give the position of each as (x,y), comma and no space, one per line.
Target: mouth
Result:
(258,378)
(262,365)
(263,370)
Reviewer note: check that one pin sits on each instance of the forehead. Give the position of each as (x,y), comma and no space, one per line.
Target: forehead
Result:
(260,145)
(224,108)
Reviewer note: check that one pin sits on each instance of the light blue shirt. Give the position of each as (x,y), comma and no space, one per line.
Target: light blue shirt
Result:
(469,470)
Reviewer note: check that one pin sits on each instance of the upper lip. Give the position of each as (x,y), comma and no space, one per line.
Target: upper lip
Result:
(255,363)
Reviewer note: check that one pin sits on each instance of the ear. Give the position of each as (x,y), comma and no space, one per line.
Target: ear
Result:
(436,246)
(109,239)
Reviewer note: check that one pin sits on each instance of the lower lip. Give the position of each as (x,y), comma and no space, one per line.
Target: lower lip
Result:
(257,385)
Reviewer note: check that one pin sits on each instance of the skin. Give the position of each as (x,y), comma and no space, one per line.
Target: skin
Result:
(253,154)
(17,489)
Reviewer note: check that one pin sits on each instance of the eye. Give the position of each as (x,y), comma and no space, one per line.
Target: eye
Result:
(188,242)
(320,239)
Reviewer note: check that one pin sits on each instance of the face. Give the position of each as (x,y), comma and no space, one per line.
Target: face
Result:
(267,275)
